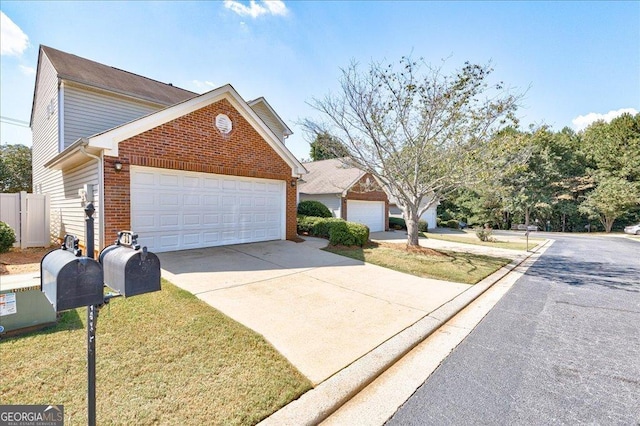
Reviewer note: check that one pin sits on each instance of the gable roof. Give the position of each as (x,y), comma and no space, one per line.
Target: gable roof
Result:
(80,70)
(329,177)
(109,139)
(261,100)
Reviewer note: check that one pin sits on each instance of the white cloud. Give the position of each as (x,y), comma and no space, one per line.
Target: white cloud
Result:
(27,70)
(581,122)
(255,9)
(13,41)
(203,86)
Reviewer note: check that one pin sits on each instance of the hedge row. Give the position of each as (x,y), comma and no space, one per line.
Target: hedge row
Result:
(338,231)
(452,223)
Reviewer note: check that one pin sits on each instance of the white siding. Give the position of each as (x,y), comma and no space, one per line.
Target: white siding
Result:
(44,128)
(67,209)
(87,112)
(44,125)
(332,201)
(272,122)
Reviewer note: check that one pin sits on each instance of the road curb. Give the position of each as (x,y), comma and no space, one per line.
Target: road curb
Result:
(320,402)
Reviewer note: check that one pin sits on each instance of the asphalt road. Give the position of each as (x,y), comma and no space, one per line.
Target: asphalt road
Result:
(561,347)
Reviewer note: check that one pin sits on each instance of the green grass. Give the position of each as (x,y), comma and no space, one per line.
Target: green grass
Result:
(449,266)
(511,245)
(162,358)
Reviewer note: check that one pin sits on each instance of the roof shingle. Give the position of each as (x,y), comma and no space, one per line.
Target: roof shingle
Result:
(74,68)
(329,177)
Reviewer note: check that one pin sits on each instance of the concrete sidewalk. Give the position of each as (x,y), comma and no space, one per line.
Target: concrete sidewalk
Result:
(320,310)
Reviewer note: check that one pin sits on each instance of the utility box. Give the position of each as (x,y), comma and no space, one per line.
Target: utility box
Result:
(23,307)
(70,280)
(128,269)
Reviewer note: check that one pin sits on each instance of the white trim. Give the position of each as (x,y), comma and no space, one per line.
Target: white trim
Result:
(60,116)
(283,216)
(110,139)
(287,130)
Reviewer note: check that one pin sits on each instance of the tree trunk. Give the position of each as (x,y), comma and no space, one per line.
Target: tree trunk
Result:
(608,223)
(411,220)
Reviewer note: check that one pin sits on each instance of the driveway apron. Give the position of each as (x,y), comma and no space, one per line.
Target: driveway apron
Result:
(320,310)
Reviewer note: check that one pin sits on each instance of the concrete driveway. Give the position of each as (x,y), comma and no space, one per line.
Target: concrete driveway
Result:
(321,311)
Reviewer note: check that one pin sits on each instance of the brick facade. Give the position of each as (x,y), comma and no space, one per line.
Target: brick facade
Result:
(193,143)
(367,189)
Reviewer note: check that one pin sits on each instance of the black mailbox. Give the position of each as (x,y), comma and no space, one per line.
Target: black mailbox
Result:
(70,280)
(128,269)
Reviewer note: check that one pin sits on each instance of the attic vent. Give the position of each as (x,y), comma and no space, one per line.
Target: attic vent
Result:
(223,123)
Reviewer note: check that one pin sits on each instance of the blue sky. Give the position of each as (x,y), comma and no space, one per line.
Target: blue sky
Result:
(577,60)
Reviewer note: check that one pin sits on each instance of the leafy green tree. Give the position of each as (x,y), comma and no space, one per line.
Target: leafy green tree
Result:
(421,133)
(15,168)
(326,147)
(529,187)
(611,198)
(613,150)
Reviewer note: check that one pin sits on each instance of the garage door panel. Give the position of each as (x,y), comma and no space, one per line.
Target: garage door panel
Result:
(191,200)
(191,220)
(190,182)
(173,210)
(143,178)
(211,219)
(168,180)
(168,200)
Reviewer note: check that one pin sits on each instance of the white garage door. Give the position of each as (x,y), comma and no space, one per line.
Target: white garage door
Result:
(177,210)
(370,213)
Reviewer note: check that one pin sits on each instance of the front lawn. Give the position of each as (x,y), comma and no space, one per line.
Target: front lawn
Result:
(426,263)
(521,244)
(161,358)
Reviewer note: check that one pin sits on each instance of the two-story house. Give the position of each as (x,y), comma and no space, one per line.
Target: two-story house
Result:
(182,170)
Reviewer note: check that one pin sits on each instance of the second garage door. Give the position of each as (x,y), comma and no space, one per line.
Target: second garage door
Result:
(177,210)
(370,213)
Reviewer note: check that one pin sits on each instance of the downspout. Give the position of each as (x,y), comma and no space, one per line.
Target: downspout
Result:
(100,190)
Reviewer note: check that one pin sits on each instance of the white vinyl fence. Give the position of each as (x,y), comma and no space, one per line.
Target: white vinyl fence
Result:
(28,215)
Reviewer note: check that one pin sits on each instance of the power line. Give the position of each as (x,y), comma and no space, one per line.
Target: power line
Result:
(14,121)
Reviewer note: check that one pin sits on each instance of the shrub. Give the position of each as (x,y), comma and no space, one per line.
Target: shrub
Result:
(7,237)
(360,232)
(397,223)
(484,234)
(344,233)
(452,223)
(348,234)
(423,226)
(313,208)
(316,226)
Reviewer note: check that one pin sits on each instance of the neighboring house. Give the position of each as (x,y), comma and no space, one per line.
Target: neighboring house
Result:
(348,192)
(430,216)
(182,170)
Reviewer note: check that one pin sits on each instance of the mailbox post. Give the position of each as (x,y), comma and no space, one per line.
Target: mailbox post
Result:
(70,280)
(92,318)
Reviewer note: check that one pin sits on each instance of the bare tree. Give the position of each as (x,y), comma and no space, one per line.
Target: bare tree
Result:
(421,134)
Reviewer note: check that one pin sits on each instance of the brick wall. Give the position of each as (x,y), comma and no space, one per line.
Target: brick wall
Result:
(367,189)
(193,143)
